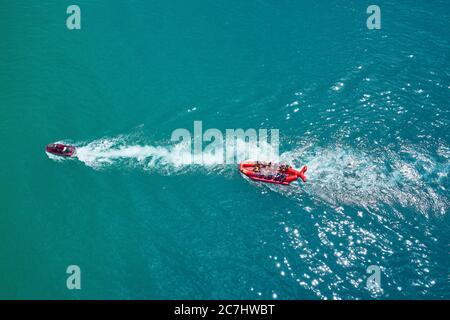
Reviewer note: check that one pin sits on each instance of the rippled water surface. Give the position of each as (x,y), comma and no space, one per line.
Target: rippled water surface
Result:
(366,110)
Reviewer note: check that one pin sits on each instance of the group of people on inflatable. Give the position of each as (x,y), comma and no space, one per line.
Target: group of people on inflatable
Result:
(279,175)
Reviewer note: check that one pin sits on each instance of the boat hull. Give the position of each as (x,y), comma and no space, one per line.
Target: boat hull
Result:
(61,150)
(290,174)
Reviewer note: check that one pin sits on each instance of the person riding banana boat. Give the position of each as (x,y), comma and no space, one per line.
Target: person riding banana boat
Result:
(271,173)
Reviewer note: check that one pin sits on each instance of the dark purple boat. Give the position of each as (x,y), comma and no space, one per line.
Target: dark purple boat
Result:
(60,149)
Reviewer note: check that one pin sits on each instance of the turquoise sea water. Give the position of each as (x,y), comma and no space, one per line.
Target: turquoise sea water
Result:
(367,110)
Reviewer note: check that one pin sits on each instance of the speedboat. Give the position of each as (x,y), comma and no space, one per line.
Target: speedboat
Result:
(60,149)
(271,172)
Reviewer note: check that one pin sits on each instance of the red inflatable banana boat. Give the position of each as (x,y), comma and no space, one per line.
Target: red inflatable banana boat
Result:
(271,172)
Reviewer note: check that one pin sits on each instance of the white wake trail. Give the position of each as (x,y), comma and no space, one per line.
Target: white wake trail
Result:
(343,176)
(168,159)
